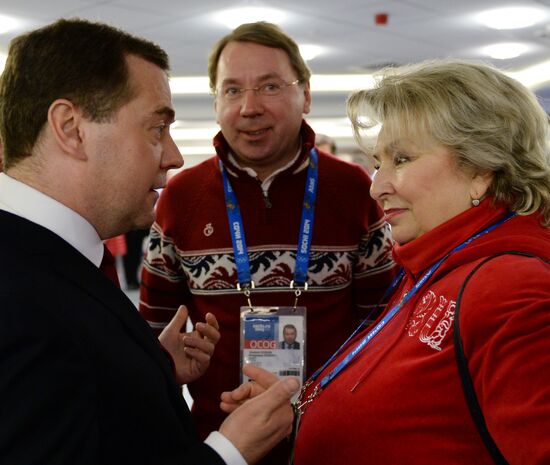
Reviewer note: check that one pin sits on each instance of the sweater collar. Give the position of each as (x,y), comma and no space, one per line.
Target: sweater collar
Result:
(223,151)
(419,254)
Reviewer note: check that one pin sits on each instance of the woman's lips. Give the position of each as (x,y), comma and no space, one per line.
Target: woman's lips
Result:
(391,213)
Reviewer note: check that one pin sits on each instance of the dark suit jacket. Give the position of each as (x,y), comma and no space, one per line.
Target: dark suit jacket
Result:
(284,345)
(82,378)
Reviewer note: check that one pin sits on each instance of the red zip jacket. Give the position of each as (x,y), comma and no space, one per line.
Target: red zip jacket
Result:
(400,401)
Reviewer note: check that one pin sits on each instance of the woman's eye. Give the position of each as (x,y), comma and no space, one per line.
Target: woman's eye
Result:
(400,159)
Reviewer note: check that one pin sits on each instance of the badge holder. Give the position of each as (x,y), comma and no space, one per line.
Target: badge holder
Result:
(274,338)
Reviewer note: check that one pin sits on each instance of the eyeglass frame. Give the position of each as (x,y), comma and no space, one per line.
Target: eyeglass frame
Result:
(257,90)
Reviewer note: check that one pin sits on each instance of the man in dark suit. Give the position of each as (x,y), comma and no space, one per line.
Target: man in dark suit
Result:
(289,338)
(84,116)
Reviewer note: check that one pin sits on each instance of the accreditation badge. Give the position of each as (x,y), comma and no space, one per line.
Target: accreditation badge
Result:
(274,338)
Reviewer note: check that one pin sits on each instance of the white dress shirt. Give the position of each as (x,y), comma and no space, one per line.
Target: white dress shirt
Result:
(24,201)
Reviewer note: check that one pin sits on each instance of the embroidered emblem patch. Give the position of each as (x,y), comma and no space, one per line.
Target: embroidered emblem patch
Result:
(432,319)
(208,229)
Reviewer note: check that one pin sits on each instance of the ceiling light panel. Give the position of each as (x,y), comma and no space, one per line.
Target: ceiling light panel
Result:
(512,17)
(505,51)
(8,24)
(310,51)
(235,17)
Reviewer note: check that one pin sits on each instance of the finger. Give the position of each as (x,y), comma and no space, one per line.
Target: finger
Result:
(263,377)
(279,394)
(203,345)
(207,331)
(179,319)
(229,399)
(212,320)
(243,392)
(198,355)
(228,407)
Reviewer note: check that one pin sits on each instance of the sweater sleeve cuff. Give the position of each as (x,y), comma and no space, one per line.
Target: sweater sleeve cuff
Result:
(225,449)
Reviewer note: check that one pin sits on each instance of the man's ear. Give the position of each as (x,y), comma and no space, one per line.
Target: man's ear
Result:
(216,110)
(65,121)
(307,98)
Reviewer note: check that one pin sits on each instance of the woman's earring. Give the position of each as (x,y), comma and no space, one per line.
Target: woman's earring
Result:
(475,202)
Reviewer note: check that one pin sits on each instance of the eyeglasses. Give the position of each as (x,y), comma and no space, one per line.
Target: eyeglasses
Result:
(268,90)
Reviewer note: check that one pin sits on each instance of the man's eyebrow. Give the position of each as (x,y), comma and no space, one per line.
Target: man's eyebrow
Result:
(263,77)
(267,76)
(167,112)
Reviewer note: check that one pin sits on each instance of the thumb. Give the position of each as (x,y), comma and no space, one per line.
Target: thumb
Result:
(263,377)
(179,319)
(281,392)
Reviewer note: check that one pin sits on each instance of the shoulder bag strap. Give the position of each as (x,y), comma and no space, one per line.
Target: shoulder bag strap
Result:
(462,362)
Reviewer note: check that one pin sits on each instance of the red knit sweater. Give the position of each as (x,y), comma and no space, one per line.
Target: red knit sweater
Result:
(190,258)
(400,401)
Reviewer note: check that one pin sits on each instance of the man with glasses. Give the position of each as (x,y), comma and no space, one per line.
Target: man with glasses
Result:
(202,254)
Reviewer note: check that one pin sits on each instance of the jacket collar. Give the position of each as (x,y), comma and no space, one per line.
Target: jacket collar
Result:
(419,254)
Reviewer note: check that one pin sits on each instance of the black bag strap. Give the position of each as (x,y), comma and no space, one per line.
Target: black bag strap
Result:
(465,378)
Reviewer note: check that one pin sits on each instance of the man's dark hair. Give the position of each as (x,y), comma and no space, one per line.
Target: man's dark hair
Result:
(75,59)
(261,33)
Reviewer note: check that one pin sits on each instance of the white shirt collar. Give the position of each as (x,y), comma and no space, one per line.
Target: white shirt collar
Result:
(24,201)
(267,181)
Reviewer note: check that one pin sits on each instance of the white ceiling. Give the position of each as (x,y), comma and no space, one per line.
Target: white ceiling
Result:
(416,30)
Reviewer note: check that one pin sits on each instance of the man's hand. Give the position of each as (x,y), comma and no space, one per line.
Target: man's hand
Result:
(258,424)
(192,351)
(260,381)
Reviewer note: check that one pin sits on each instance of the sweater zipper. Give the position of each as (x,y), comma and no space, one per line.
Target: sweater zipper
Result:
(266,200)
(265,195)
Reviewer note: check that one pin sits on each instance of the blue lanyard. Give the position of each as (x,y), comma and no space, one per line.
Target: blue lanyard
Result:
(236,227)
(389,315)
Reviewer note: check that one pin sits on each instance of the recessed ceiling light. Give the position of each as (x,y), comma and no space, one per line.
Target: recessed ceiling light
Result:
(310,51)
(237,16)
(534,76)
(511,18)
(7,24)
(505,51)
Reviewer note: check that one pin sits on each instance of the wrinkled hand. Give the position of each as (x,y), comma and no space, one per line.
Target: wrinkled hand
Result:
(260,381)
(192,351)
(263,418)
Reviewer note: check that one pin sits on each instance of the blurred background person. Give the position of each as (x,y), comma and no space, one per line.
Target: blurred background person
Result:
(325,143)
(131,261)
(261,87)
(463,176)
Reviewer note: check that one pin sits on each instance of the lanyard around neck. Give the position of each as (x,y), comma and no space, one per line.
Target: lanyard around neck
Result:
(236,228)
(395,309)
